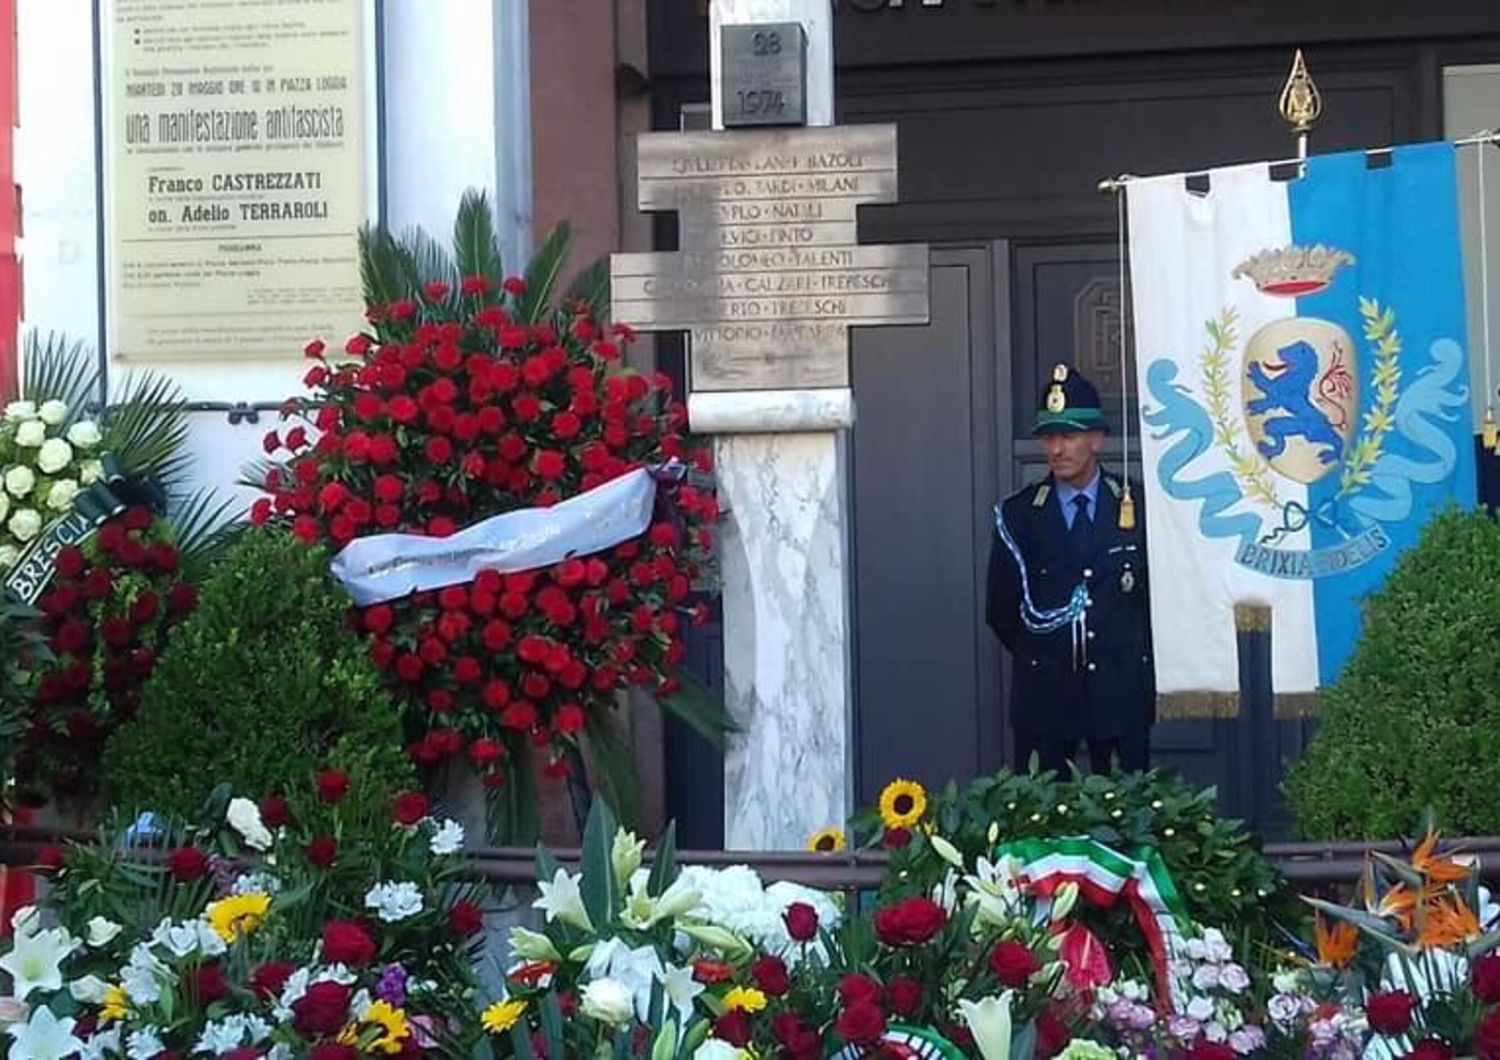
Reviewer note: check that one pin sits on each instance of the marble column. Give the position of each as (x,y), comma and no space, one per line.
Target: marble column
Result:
(782,474)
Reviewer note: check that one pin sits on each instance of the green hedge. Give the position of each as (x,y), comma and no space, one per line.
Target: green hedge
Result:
(1414,720)
(260,688)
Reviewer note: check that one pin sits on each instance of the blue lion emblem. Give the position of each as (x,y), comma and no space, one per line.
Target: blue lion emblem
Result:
(1287,387)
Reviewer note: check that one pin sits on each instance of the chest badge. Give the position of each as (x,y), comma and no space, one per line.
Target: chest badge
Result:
(1127,581)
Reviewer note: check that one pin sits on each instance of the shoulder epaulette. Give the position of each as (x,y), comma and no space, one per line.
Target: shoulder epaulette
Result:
(1114,486)
(1043,491)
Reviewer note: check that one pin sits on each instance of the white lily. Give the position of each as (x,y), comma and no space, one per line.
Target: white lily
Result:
(988,1020)
(947,851)
(35,962)
(532,945)
(635,968)
(102,931)
(625,856)
(681,989)
(997,888)
(244,818)
(643,912)
(562,900)
(44,1037)
(90,989)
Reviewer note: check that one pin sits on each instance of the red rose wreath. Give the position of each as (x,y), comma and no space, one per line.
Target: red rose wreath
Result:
(472,395)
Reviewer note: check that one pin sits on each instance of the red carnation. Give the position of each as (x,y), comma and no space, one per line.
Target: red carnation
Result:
(484,752)
(861,1023)
(734,1028)
(322,1010)
(321,851)
(268,979)
(910,922)
(854,988)
(1390,1012)
(770,975)
(1202,1049)
(347,942)
(896,838)
(402,409)
(1487,1037)
(70,562)
(570,719)
(409,807)
(712,973)
(465,919)
(1486,977)
(801,921)
(1013,964)
(275,813)
(904,995)
(187,864)
(182,598)
(1053,1036)
(335,1051)
(206,982)
(333,785)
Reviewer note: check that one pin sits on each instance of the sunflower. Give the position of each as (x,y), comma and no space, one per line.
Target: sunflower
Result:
(237,915)
(502,1015)
(902,803)
(393,1026)
(827,841)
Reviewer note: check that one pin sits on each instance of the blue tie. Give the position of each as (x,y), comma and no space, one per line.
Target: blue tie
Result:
(1081,533)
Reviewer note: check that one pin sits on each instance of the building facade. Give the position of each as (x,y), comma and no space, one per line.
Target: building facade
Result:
(1010,112)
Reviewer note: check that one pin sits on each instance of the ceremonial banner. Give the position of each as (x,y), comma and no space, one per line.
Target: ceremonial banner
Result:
(1305,404)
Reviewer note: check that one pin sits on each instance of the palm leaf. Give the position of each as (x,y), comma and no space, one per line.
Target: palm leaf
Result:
(380,273)
(253,474)
(699,708)
(511,809)
(205,528)
(475,249)
(591,287)
(424,260)
(613,763)
(542,272)
(147,428)
(54,369)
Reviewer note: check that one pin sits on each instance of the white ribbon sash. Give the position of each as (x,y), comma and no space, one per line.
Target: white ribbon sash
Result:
(387,566)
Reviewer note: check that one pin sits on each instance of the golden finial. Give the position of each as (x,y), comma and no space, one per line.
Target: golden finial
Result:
(1491,433)
(1301,103)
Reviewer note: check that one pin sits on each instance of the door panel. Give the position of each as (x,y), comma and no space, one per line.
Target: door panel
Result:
(925,466)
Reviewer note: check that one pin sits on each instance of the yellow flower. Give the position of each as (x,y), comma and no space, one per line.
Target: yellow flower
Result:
(502,1015)
(237,915)
(902,803)
(113,1006)
(745,997)
(393,1026)
(827,841)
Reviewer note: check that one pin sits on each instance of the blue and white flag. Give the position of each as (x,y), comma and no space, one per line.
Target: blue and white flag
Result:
(1304,392)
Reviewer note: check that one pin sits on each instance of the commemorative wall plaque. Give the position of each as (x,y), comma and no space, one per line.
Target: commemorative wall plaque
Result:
(763,71)
(771,275)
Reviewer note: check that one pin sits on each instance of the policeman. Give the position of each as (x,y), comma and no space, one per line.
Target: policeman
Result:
(1067,596)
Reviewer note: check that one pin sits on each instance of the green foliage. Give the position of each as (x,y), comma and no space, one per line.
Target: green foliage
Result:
(1215,862)
(263,686)
(21,647)
(1413,722)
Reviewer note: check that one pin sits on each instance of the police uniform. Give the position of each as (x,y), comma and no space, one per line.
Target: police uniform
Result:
(1073,609)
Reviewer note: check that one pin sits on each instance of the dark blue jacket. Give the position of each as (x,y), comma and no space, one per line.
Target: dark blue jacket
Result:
(1108,689)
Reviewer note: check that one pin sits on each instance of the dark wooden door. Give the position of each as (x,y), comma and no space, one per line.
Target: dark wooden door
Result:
(930,448)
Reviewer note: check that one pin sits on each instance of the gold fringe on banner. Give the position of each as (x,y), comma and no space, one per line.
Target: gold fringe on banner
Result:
(1295,705)
(1197,706)
(1252,618)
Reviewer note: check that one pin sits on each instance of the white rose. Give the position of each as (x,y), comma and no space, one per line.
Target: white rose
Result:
(54,455)
(84,434)
(53,412)
(31,434)
(24,525)
(19,480)
(716,1049)
(4,505)
(90,472)
(609,1001)
(20,410)
(8,556)
(59,497)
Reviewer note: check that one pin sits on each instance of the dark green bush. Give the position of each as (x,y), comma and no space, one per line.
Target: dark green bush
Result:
(259,689)
(21,647)
(1414,720)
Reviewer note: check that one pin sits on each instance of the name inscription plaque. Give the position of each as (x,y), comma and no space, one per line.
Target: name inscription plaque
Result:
(771,275)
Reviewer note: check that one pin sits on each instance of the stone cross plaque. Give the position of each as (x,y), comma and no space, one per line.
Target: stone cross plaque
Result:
(771,275)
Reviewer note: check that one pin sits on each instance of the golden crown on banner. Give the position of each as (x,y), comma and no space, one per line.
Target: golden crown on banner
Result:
(1293,271)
